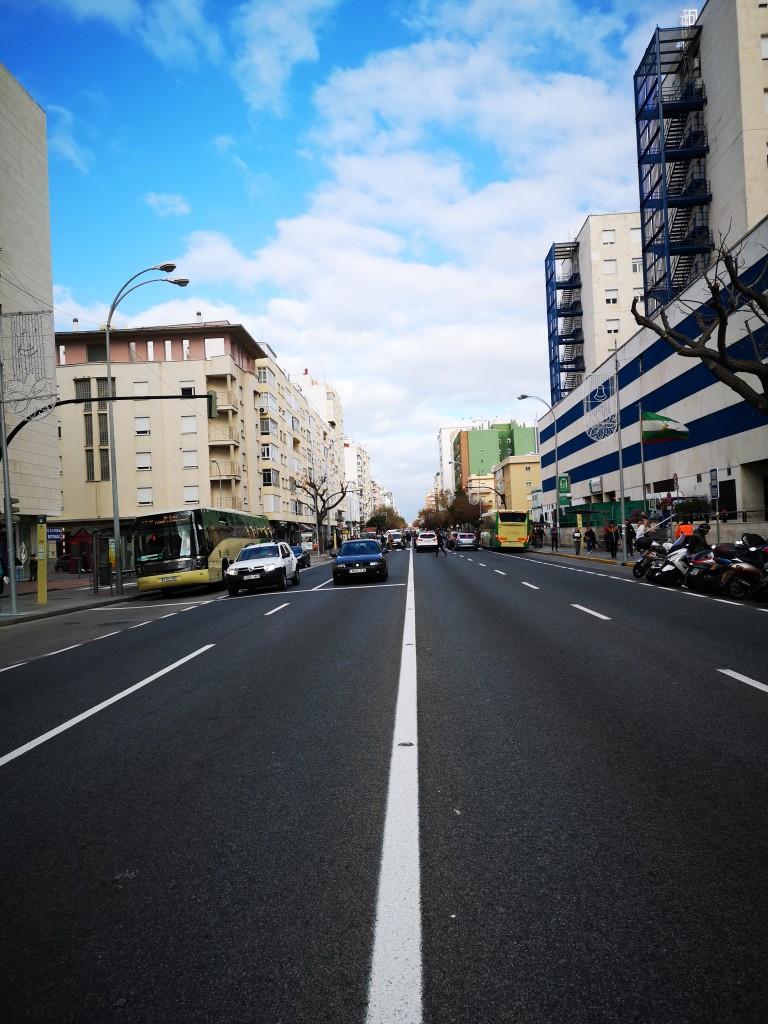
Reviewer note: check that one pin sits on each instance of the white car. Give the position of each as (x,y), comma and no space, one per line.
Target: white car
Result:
(262,565)
(426,541)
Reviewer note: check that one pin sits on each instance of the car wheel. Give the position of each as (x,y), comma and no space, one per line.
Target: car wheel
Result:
(295,579)
(336,582)
(232,591)
(283,582)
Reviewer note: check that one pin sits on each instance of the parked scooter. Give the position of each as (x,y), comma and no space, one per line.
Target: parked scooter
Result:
(672,570)
(653,550)
(724,570)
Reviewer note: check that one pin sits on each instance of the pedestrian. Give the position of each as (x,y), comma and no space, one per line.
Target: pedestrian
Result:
(32,568)
(553,538)
(577,540)
(611,535)
(440,546)
(630,534)
(685,529)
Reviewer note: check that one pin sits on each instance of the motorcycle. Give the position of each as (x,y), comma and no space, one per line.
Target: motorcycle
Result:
(733,569)
(654,549)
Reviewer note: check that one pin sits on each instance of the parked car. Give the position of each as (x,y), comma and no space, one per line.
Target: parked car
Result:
(262,565)
(302,556)
(451,542)
(359,560)
(465,540)
(426,541)
(63,563)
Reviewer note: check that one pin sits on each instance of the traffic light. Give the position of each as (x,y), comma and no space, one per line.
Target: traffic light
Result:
(15,509)
(213,405)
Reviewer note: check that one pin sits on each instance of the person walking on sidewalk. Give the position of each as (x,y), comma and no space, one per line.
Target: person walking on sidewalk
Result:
(32,568)
(611,539)
(590,539)
(577,540)
(553,538)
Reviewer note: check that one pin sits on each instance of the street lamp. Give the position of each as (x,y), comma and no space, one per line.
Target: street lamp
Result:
(182,282)
(557,464)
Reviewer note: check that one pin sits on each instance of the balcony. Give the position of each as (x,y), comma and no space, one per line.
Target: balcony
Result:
(225,470)
(223,435)
(226,400)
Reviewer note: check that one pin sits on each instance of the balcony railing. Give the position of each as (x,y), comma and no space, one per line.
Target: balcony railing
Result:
(223,435)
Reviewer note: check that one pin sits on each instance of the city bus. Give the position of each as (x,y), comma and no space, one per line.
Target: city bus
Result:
(505,530)
(188,547)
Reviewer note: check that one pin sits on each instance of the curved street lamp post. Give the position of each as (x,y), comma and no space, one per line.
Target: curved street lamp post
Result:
(182,282)
(557,464)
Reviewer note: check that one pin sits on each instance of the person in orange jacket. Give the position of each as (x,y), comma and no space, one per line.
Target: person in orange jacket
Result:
(684,529)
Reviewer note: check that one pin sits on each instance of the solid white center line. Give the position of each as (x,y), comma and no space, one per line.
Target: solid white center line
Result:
(743,679)
(99,707)
(279,608)
(581,608)
(395,984)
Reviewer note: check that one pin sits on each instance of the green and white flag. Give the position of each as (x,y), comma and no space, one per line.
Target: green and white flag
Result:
(662,428)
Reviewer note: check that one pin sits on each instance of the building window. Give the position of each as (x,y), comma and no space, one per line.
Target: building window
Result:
(62,355)
(141,424)
(144,496)
(168,350)
(635,236)
(187,387)
(611,296)
(764,47)
(637,266)
(191,494)
(102,390)
(610,267)
(143,461)
(214,347)
(185,348)
(150,351)
(104,463)
(103,428)
(270,478)
(88,421)
(132,351)
(90,473)
(612,326)
(189,424)
(609,237)
(189,460)
(141,389)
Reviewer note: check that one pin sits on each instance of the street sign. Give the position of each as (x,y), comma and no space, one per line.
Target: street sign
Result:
(713,487)
(55,533)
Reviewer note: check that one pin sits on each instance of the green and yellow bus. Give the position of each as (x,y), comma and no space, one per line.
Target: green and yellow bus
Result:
(188,547)
(505,530)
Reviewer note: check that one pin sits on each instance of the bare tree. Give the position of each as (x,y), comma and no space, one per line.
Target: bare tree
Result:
(729,294)
(321,500)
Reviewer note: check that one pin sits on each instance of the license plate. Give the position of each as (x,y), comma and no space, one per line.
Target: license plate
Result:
(357,570)
(168,579)
(254,577)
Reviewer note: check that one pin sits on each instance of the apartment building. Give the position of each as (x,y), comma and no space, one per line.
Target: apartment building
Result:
(517,478)
(324,397)
(262,438)
(590,284)
(476,452)
(26,321)
(701,100)
(359,504)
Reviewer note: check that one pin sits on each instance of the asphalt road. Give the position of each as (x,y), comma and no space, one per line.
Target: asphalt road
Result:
(200,797)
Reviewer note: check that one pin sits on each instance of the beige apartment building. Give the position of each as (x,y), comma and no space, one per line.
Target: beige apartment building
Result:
(517,478)
(26,320)
(263,439)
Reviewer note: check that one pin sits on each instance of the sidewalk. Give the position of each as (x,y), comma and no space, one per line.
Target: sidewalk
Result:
(65,594)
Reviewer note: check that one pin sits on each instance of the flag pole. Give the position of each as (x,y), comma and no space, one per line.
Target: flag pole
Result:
(621,455)
(642,449)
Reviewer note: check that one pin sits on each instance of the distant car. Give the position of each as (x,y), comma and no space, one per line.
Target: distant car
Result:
(63,563)
(465,540)
(452,538)
(396,539)
(302,556)
(359,560)
(262,565)
(426,541)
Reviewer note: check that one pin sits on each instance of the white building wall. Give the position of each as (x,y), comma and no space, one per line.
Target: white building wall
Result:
(26,287)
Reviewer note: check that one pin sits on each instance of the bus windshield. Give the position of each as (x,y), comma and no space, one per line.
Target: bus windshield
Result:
(163,537)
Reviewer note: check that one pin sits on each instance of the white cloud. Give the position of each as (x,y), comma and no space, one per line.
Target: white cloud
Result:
(62,141)
(167,205)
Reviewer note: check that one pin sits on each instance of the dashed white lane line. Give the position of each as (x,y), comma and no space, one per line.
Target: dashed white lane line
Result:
(500,572)
(531,585)
(395,983)
(581,608)
(743,679)
(99,707)
(278,609)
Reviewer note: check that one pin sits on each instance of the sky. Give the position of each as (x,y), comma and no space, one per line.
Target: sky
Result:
(369,186)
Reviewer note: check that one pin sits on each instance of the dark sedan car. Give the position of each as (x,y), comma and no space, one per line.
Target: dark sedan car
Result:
(302,556)
(359,560)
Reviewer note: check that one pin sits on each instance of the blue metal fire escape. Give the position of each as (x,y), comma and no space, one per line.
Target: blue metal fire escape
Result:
(672,148)
(564,312)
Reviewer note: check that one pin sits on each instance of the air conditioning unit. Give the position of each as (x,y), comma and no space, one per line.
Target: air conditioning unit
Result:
(262,409)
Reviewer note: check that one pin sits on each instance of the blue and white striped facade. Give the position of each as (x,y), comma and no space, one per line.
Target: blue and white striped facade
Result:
(725,432)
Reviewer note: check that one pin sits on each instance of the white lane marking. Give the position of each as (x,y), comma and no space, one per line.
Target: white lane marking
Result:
(529,585)
(19,664)
(500,572)
(581,608)
(99,707)
(278,609)
(743,679)
(140,624)
(482,565)
(395,983)
(105,636)
(61,650)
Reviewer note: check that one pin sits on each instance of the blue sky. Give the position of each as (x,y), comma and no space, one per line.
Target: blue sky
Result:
(369,186)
